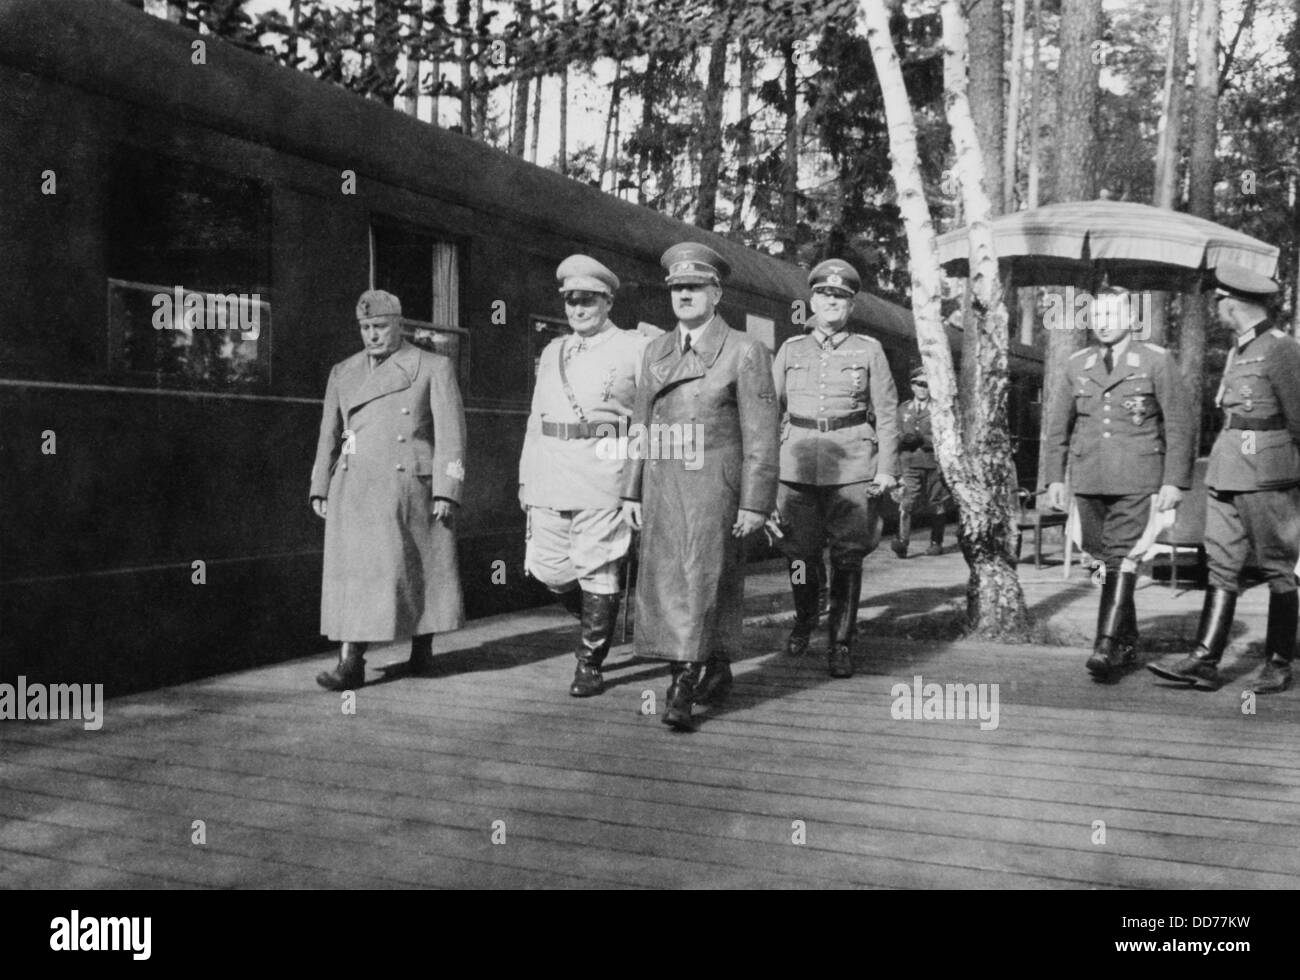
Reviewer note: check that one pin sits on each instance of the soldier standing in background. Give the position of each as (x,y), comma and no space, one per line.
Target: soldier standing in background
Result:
(570,468)
(923,488)
(1254,487)
(1120,417)
(838,454)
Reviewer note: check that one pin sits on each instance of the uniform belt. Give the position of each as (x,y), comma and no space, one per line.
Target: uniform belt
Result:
(575,430)
(1260,425)
(830,425)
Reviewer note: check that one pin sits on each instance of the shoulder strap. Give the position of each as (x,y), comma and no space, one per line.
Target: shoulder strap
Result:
(568,388)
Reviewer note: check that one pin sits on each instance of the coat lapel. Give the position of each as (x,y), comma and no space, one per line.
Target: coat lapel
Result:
(364,385)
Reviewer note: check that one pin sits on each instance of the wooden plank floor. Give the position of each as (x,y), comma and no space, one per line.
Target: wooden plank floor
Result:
(406,792)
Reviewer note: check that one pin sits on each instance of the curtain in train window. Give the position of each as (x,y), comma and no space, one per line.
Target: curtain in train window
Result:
(424,273)
(189,274)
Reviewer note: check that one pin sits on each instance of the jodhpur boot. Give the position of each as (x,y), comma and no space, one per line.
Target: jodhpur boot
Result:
(681,694)
(421,661)
(805,612)
(846,590)
(350,673)
(1113,649)
(715,685)
(1274,676)
(599,612)
(1201,669)
(904,533)
(937,525)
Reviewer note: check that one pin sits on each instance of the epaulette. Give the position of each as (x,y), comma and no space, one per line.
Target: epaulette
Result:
(1080,352)
(1155,347)
(1277,332)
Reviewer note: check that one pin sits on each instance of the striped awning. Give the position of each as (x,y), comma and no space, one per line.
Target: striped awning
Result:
(1086,243)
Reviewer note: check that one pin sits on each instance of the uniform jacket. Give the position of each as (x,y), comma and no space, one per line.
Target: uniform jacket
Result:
(848,374)
(1260,381)
(690,584)
(391,440)
(1125,432)
(915,429)
(576,474)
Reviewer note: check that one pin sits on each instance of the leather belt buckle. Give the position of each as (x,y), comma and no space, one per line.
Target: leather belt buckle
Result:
(824,425)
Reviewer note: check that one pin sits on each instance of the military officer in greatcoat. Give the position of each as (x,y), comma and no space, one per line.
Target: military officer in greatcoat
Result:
(923,489)
(839,453)
(702,480)
(1120,418)
(387,481)
(573,457)
(1254,487)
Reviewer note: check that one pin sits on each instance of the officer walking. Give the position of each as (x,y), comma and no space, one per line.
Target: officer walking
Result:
(839,452)
(923,488)
(572,459)
(704,480)
(1254,487)
(387,481)
(1121,418)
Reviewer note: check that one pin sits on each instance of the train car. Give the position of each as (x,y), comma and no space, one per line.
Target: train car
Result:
(155,469)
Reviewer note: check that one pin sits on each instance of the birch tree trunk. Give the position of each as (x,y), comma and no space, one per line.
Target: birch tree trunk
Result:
(790,182)
(745,147)
(711,136)
(1011,141)
(1171,125)
(977,463)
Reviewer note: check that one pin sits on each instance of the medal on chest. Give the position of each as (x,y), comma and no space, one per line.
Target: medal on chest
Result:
(1246,393)
(1136,406)
(857,381)
(608,388)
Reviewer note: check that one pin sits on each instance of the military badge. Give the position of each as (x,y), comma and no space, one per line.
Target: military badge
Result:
(456,470)
(608,388)
(835,279)
(1246,392)
(858,378)
(1136,408)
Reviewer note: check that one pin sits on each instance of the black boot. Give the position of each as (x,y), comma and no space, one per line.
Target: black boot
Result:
(937,524)
(846,589)
(1274,676)
(806,600)
(1112,650)
(681,694)
(350,673)
(715,685)
(572,602)
(904,533)
(1201,669)
(599,613)
(421,661)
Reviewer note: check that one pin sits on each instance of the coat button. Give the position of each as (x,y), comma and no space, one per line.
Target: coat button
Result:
(1105,435)
(406,411)
(401,438)
(399,466)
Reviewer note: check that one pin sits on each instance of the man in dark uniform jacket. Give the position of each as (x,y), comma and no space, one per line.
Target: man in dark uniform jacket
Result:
(1254,487)
(838,455)
(703,480)
(923,485)
(1120,416)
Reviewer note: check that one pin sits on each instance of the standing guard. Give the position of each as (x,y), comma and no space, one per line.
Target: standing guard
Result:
(839,452)
(923,487)
(572,460)
(1254,487)
(705,479)
(1121,418)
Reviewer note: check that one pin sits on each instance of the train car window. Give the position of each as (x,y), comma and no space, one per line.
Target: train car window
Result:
(424,273)
(763,329)
(188,254)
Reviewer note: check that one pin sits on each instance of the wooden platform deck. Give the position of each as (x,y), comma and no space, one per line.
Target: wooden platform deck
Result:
(410,790)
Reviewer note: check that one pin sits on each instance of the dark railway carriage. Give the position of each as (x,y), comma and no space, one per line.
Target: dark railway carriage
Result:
(133,451)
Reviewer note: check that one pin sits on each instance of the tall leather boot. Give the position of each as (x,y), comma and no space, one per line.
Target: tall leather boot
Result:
(572,602)
(680,696)
(904,533)
(421,661)
(599,613)
(846,590)
(1274,676)
(1112,650)
(937,524)
(806,600)
(350,673)
(1201,669)
(715,684)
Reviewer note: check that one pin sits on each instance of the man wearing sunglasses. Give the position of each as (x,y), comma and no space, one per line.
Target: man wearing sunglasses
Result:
(1254,487)
(569,471)
(923,487)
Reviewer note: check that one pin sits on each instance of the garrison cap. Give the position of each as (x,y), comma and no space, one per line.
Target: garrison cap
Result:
(691,262)
(378,302)
(582,272)
(835,274)
(1244,283)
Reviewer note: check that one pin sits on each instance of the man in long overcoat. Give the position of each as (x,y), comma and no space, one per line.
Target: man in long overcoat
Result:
(387,479)
(707,476)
